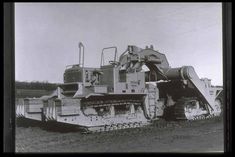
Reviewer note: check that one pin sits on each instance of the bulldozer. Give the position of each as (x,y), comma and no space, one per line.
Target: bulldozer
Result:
(131,91)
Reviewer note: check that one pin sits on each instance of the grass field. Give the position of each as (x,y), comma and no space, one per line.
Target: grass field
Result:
(198,136)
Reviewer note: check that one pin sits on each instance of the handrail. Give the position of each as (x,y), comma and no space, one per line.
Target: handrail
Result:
(102,54)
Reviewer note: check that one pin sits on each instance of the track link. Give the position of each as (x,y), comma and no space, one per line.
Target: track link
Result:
(113,127)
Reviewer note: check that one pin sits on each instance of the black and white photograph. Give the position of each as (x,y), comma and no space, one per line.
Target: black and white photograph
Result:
(119,77)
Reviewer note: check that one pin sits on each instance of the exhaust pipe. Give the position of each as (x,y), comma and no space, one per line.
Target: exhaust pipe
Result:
(81,52)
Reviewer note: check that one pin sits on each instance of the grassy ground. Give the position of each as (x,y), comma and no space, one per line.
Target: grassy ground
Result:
(199,136)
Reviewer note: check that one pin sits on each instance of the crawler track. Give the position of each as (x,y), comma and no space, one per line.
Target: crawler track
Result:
(122,105)
(113,127)
(160,123)
(178,112)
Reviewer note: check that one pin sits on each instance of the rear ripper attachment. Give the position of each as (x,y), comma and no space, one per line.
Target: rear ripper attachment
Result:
(133,91)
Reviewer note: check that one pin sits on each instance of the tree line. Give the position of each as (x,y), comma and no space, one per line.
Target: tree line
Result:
(35,85)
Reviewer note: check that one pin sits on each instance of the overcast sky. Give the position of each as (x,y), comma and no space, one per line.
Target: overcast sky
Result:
(47,35)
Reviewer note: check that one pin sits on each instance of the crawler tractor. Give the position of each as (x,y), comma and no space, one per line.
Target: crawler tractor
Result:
(132,91)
